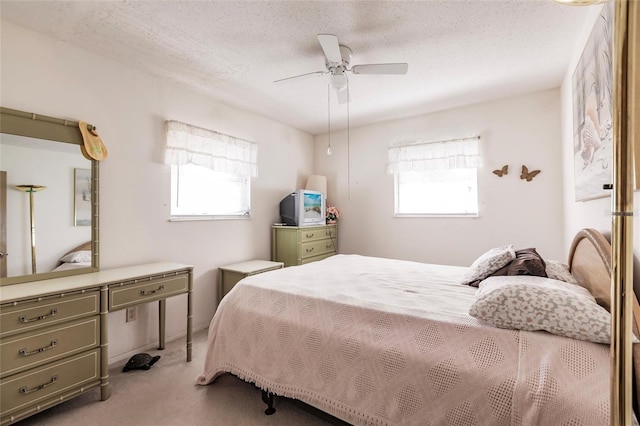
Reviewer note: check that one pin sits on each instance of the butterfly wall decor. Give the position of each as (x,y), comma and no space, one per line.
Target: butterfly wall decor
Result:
(528,175)
(503,171)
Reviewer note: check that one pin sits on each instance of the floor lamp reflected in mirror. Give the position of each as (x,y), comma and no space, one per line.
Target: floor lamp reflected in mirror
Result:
(31,189)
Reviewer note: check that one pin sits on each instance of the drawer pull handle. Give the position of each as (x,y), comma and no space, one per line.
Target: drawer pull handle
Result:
(309,235)
(150,292)
(328,246)
(24,390)
(24,319)
(309,250)
(24,352)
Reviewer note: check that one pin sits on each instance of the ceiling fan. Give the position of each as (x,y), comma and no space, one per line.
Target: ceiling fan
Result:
(338,63)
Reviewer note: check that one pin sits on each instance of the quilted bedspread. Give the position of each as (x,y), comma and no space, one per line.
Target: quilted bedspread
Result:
(381,341)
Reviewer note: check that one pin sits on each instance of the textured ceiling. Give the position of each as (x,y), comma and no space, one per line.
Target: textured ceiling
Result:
(459,52)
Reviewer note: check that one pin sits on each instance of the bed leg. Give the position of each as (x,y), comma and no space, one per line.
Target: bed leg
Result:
(267,398)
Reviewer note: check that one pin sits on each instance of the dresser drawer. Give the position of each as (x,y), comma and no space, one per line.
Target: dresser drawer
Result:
(48,383)
(38,347)
(316,248)
(313,234)
(129,294)
(316,258)
(33,315)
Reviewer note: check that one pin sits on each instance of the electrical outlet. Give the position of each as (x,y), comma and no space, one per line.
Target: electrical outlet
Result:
(132,314)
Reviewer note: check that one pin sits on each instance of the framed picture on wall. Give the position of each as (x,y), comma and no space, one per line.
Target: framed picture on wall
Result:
(82,197)
(592,85)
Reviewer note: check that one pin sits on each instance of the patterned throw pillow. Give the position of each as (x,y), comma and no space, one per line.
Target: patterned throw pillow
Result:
(532,303)
(488,263)
(559,271)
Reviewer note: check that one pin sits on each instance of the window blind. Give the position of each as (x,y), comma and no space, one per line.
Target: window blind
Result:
(187,144)
(420,156)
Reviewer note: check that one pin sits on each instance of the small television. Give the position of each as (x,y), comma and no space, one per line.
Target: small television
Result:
(303,207)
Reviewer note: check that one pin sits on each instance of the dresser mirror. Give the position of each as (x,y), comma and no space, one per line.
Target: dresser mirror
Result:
(48,199)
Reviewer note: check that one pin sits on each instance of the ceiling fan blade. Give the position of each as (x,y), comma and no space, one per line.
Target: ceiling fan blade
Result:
(380,69)
(301,77)
(330,46)
(343,96)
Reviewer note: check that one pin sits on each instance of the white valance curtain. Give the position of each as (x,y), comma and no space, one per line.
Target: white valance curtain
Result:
(187,144)
(419,156)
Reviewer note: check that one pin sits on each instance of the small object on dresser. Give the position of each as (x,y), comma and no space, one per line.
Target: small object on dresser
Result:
(140,362)
(332,215)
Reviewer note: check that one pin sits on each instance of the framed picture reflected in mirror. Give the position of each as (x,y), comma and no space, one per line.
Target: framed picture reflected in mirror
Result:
(82,197)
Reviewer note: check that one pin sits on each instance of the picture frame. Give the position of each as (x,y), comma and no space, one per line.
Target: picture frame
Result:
(82,197)
(592,87)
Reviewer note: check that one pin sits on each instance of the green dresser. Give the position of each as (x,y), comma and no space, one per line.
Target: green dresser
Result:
(294,245)
(53,333)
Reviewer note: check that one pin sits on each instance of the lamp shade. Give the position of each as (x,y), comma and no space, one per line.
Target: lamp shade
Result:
(317,183)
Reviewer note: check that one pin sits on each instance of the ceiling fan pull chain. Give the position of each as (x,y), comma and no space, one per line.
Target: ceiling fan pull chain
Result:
(329,117)
(348,146)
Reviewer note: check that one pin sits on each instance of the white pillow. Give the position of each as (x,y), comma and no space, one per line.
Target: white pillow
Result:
(79,256)
(559,271)
(488,263)
(525,302)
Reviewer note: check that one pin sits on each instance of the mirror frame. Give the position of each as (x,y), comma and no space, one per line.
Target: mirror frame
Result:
(633,77)
(28,124)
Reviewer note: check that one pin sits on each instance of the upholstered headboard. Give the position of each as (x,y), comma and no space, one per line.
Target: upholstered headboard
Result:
(83,246)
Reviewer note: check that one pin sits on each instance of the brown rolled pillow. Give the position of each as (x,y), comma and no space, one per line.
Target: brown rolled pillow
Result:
(527,262)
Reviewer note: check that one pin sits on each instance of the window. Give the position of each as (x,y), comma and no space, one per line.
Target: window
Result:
(435,178)
(210,173)
(198,192)
(437,192)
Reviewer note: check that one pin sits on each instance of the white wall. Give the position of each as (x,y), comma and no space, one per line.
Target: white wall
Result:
(129,108)
(515,131)
(594,213)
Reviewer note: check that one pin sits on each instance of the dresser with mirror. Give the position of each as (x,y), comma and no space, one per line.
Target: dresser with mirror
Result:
(54,299)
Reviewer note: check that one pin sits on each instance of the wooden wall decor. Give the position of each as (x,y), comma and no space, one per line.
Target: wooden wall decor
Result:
(528,175)
(503,171)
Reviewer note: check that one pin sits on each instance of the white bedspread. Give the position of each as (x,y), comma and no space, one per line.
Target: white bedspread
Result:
(380,341)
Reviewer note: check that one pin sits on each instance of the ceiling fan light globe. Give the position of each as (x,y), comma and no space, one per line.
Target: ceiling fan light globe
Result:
(338,81)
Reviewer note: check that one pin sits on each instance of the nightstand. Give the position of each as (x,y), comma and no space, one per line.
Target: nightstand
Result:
(231,274)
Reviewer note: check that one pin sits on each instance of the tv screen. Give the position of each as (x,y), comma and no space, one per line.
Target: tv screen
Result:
(312,205)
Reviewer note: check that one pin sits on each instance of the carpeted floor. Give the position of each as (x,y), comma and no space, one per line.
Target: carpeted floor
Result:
(166,395)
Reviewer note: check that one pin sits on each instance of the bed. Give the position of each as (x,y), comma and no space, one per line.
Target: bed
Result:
(382,341)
